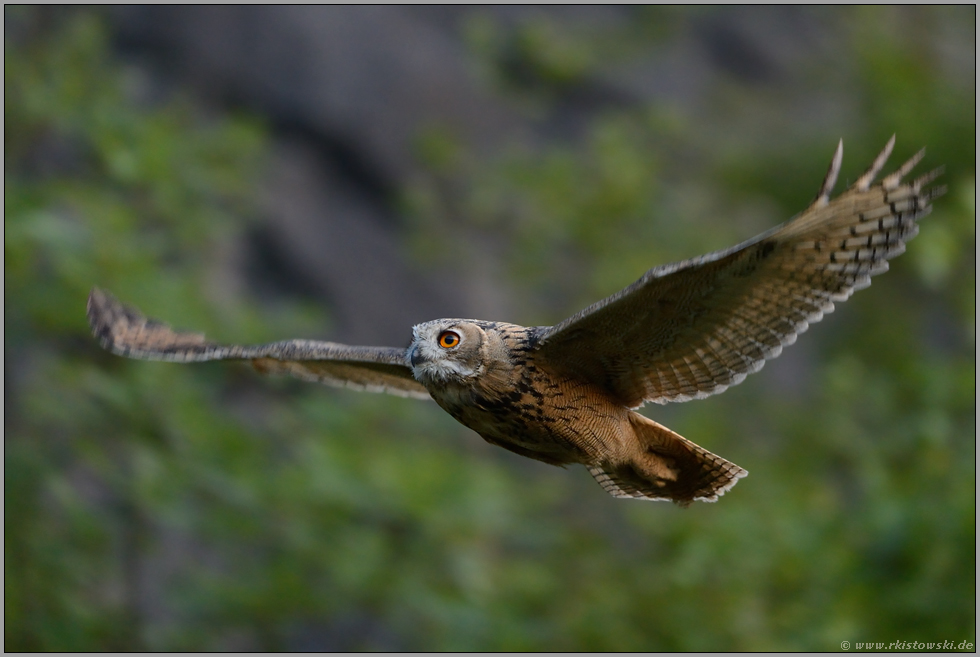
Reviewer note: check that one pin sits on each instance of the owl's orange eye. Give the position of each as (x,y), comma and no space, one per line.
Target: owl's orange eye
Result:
(448,339)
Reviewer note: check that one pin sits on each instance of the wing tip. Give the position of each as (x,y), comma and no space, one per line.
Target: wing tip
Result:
(830,179)
(894,179)
(863,183)
(125,331)
(103,310)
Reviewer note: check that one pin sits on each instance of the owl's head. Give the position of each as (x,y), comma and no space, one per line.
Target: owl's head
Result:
(448,350)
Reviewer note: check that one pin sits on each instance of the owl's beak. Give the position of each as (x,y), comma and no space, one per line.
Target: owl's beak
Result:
(416,357)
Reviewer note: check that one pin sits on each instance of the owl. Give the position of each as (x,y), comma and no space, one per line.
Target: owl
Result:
(567,393)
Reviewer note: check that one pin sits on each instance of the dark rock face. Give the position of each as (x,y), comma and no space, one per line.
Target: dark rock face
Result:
(348,90)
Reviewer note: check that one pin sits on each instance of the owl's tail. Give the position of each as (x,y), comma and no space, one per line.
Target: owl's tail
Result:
(667,467)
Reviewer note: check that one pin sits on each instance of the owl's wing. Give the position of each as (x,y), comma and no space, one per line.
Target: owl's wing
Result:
(691,329)
(126,332)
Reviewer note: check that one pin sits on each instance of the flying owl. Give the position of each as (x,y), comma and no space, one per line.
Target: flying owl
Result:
(566,393)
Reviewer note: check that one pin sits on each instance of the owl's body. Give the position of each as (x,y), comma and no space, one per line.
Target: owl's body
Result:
(498,388)
(565,394)
(506,398)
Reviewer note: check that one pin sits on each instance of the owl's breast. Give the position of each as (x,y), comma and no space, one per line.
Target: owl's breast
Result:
(558,422)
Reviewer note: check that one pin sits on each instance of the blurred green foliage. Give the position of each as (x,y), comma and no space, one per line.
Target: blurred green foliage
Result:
(163,507)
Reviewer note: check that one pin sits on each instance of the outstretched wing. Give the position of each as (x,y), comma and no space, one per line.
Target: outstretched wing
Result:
(691,329)
(126,332)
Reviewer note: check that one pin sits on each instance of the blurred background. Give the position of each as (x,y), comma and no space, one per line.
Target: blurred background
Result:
(341,173)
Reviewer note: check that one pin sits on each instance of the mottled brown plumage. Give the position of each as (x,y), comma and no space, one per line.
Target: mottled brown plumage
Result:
(564,394)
